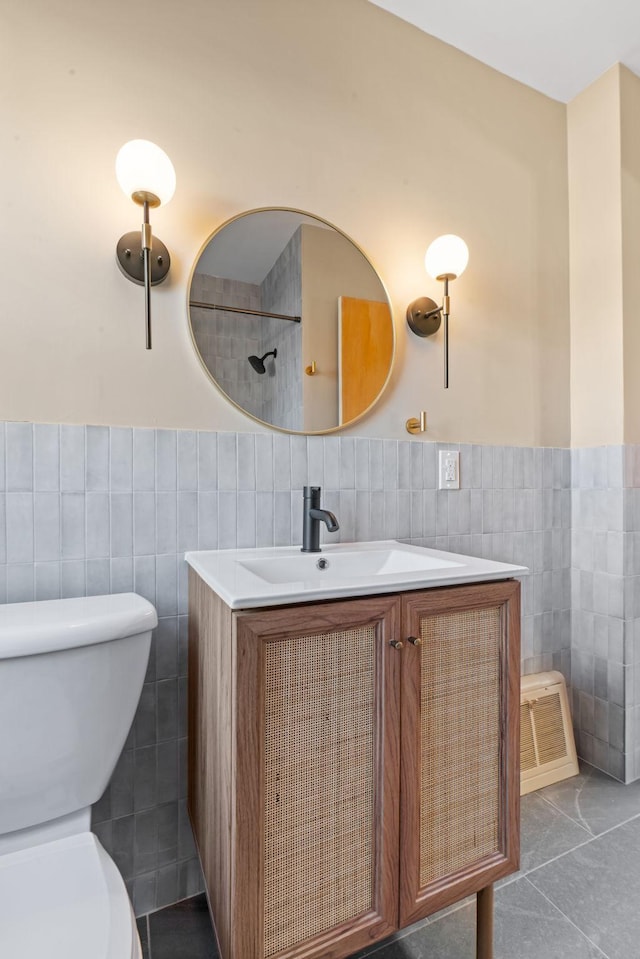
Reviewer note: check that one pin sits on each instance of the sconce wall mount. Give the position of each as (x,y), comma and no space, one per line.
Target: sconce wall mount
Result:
(424,316)
(130,256)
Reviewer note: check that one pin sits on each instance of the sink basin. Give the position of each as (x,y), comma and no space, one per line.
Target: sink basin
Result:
(321,567)
(247,578)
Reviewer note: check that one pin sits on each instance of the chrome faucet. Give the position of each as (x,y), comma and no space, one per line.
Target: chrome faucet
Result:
(312,516)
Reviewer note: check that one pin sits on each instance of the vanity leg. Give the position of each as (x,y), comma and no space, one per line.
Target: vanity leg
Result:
(484,923)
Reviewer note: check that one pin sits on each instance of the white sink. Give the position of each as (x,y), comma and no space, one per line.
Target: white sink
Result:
(246,578)
(320,567)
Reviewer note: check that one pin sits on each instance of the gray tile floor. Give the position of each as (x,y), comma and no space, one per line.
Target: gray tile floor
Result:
(577,895)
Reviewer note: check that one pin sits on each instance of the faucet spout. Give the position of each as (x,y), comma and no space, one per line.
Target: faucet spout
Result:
(327,517)
(312,516)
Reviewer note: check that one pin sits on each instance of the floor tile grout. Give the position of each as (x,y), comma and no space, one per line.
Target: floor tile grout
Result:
(587,842)
(570,921)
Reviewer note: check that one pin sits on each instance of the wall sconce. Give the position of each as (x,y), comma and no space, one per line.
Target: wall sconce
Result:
(446,259)
(146,175)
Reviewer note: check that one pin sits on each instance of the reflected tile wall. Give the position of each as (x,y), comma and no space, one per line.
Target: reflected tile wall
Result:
(90,510)
(226,340)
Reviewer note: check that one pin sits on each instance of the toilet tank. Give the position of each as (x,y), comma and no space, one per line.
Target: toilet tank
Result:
(71,673)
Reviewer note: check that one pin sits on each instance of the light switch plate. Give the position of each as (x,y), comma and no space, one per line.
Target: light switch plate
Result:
(449,469)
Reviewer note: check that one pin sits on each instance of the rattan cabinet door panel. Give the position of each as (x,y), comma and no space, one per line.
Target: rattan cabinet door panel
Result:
(317,778)
(460,711)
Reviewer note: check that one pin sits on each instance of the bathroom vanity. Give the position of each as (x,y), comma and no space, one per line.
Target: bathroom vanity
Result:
(353,748)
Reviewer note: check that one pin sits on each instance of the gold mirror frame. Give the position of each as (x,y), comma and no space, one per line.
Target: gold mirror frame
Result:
(310,368)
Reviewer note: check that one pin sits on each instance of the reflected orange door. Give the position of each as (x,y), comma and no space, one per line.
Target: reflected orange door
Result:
(366,350)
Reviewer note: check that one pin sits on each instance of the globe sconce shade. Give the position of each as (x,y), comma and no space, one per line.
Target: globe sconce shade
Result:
(446,259)
(146,175)
(145,172)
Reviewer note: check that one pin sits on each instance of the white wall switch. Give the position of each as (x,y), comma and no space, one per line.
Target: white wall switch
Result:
(449,469)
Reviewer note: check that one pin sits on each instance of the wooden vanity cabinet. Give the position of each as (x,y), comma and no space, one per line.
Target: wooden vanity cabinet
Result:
(342,787)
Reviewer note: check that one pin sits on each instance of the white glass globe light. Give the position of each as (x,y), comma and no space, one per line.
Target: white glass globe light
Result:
(446,257)
(145,172)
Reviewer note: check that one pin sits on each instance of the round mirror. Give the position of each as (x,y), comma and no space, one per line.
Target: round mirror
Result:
(291,321)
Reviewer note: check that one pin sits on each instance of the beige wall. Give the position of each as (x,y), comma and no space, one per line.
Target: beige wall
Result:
(593,131)
(604,220)
(630,140)
(335,107)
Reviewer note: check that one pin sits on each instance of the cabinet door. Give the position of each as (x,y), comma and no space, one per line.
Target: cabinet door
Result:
(459,767)
(317,775)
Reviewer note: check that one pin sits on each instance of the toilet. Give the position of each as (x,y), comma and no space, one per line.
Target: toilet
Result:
(71,673)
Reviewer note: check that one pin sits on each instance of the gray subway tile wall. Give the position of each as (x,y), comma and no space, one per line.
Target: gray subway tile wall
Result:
(606,607)
(19,464)
(93,510)
(225,339)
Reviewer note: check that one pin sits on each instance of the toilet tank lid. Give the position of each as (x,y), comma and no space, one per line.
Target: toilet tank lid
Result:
(49,625)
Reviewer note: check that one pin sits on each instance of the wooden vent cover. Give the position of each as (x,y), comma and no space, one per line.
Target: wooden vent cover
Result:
(547,747)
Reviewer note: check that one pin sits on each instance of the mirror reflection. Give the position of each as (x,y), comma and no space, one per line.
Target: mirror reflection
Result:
(291,321)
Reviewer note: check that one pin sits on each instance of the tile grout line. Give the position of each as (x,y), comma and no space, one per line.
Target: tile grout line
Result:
(604,955)
(148,937)
(580,845)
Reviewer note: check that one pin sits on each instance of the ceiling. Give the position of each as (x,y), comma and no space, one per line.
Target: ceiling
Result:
(555,46)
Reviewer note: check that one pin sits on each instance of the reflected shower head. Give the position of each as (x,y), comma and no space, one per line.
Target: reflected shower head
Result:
(257,362)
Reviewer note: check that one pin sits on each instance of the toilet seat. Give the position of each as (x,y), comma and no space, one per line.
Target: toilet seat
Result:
(65,900)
